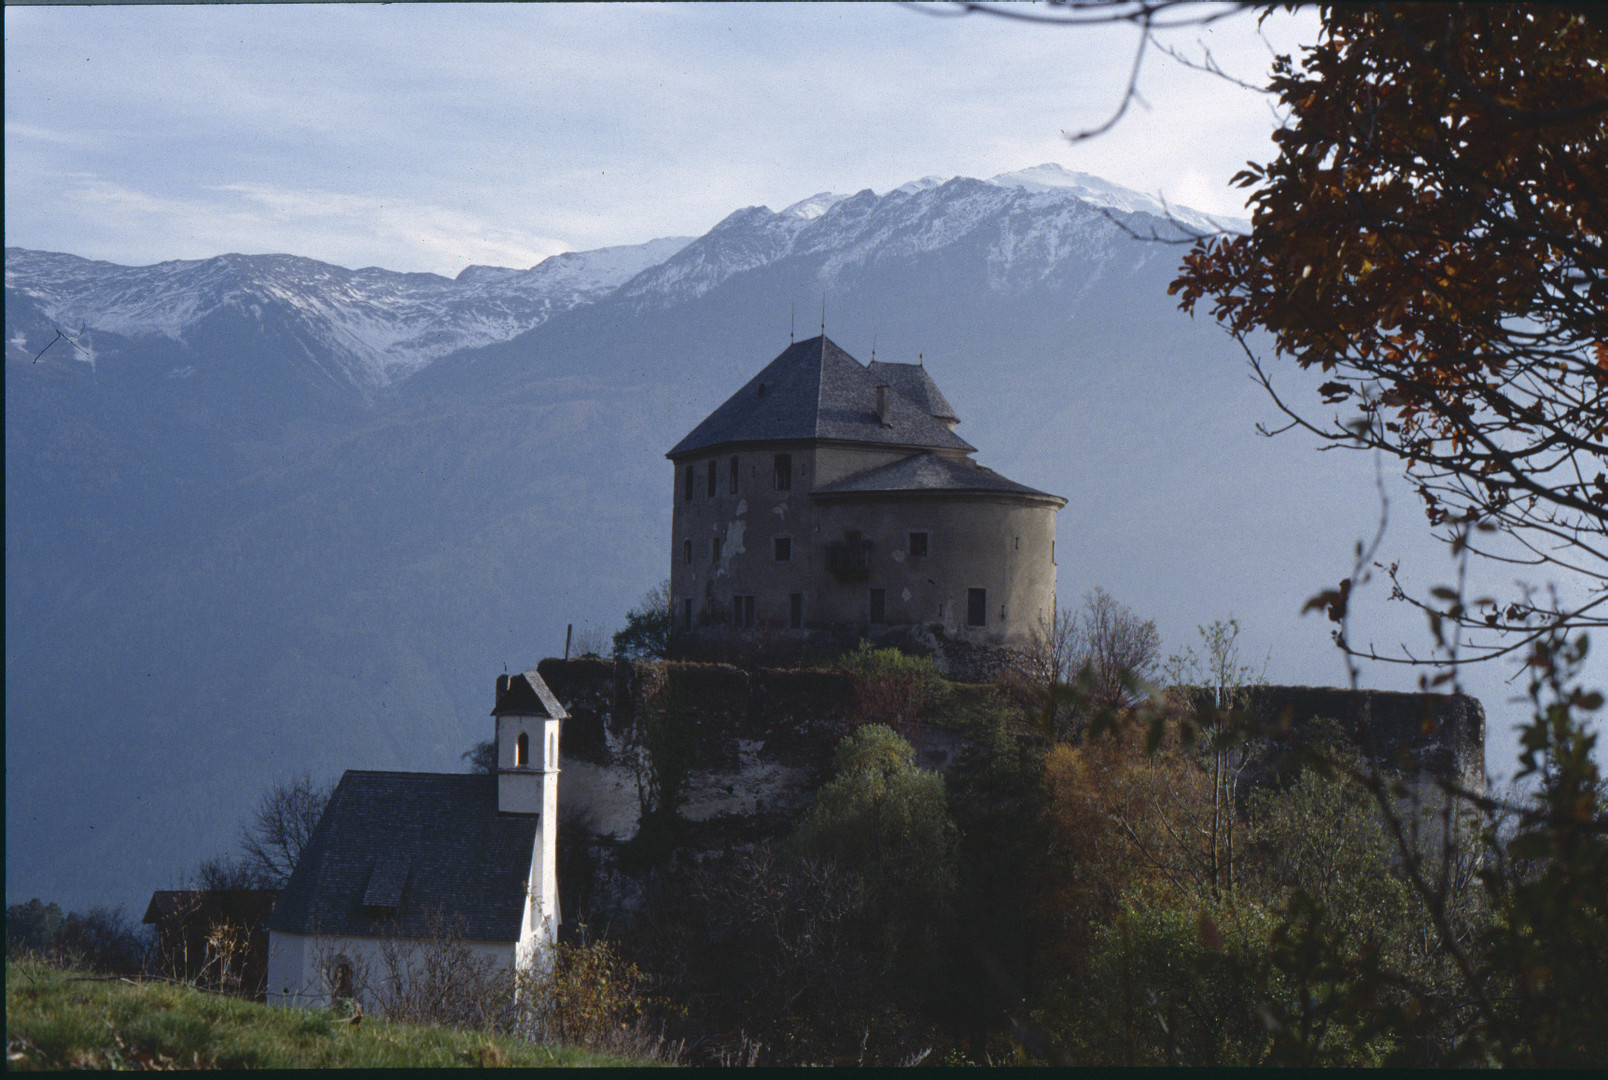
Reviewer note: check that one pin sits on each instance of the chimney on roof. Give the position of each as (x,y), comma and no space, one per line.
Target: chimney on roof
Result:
(882,404)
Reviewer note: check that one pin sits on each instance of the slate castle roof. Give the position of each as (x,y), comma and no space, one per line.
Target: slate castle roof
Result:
(815,390)
(928,474)
(413,854)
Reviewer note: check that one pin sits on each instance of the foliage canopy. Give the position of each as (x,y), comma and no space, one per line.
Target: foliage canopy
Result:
(1431,238)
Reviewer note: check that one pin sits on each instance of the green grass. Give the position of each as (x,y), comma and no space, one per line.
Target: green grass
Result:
(60,1019)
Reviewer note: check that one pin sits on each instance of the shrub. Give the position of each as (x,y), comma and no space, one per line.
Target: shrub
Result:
(1170,985)
(31,928)
(886,821)
(890,687)
(104,940)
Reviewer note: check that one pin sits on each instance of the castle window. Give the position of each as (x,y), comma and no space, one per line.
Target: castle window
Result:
(742,611)
(687,490)
(879,605)
(714,472)
(784,472)
(686,552)
(976,607)
(522,751)
(686,610)
(714,550)
(795,610)
(918,545)
(784,548)
(733,478)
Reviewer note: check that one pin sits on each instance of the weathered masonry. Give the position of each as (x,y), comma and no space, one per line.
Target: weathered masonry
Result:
(828,495)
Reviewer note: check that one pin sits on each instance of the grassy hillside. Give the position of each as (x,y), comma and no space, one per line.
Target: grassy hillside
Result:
(62,1019)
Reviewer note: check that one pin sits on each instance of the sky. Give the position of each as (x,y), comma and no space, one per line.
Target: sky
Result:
(426,137)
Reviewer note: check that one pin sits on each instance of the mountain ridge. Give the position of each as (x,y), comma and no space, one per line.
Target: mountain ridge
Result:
(381,326)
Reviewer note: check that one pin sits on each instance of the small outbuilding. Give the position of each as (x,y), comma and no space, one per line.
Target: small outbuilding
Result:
(213,936)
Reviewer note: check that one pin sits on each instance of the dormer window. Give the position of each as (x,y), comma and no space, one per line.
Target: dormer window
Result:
(522,751)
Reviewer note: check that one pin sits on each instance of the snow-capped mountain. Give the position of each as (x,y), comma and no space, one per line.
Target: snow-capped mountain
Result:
(1030,222)
(374,325)
(1090,189)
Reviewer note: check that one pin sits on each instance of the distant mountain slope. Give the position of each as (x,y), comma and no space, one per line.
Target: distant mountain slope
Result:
(291,517)
(1032,224)
(368,327)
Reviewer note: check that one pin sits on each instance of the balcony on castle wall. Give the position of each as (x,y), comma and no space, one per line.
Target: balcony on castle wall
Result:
(849,561)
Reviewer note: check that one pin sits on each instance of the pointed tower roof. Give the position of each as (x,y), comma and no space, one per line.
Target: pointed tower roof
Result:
(526,695)
(815,390)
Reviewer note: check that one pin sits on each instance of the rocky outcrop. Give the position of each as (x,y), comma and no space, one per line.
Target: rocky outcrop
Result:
(766,738)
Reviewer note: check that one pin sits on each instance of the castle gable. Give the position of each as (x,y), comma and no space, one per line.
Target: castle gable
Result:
(912,382)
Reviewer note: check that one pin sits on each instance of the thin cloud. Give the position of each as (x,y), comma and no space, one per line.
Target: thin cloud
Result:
(432,136)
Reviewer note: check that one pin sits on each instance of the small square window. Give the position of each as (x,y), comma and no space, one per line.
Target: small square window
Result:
(918,545)
(784,549)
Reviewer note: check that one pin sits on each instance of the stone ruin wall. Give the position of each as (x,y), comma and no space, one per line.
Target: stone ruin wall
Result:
(1440,736)
(767,738)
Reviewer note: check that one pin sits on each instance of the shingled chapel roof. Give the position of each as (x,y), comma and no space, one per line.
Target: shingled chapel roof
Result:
(413,854)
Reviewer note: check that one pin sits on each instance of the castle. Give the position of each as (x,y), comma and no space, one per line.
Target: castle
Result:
(831,496)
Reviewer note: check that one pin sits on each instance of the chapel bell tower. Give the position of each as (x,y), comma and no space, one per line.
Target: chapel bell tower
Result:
(528,718)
